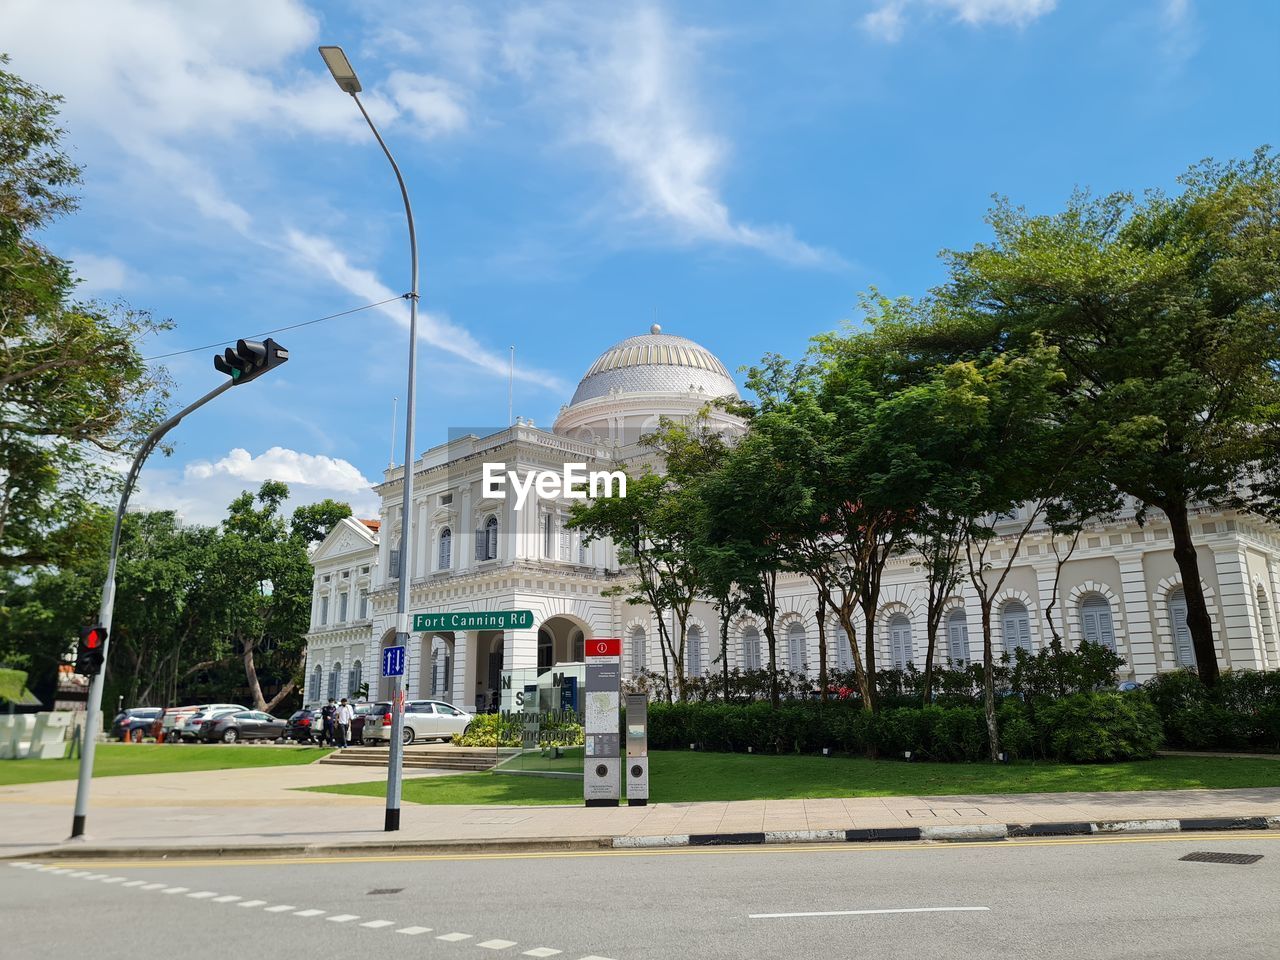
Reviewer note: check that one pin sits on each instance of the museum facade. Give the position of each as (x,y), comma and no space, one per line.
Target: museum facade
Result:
(475,551)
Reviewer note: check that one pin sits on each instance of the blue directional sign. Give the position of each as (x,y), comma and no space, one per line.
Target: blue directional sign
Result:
(393,662)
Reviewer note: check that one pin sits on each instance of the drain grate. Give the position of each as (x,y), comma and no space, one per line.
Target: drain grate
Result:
(1241,858)
(372,893)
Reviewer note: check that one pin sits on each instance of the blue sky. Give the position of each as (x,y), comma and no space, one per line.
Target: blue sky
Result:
(736,172)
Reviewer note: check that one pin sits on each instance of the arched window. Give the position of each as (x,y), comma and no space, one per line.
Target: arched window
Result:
(750,648)
(637,645)
(354,686)
(1017,627)
(1183,649)
(797,655)
(446,548)
(317,679)
(393,566)
(840,640)
(958,635)
(546,651)
(334,674)
(900,640)
(435,671)
(487,540)
(693,662)
(1268,629)
(1095,621)
(579,647)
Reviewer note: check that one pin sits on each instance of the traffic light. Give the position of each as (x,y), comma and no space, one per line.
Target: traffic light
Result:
(93,642)
(250,359)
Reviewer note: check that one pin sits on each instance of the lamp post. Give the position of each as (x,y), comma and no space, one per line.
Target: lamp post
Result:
(348,82)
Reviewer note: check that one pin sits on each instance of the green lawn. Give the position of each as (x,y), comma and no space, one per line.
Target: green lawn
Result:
(118,759)
(681,777)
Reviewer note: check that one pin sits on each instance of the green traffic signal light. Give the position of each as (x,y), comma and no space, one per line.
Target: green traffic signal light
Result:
(250,359)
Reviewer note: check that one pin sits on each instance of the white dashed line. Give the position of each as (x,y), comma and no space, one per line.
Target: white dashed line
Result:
(93,876)
(250,903)
(152,886)
(594,957)
(226,898)
(281,908)
(306,913)
(203,894)
(454,937)
(172,890)
(342,918)
(135,883)
(540,952)
(414,931)
(113,879)
(80,873)
(378,924)
(497,944)
(59,869)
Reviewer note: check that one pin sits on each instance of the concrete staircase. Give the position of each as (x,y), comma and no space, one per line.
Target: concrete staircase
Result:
(431,757)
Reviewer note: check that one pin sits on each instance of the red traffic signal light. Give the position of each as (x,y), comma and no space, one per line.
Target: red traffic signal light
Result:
(249,359)
(89,654)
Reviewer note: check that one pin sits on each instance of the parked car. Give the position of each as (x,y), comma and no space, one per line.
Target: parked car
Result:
(190,729)
(175,718)
(362,713)
(134,723)
(243,725)
(304,726)
(423,720)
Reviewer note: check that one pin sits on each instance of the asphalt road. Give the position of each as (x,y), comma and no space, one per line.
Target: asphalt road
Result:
(1129,897)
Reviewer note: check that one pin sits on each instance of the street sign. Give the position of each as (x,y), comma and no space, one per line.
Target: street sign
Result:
(393,662)
(474,620)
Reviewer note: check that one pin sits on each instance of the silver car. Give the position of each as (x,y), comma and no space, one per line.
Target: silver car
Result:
(423,720)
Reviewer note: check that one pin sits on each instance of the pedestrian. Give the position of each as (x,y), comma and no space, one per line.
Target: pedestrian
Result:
(345,715)
(328,717)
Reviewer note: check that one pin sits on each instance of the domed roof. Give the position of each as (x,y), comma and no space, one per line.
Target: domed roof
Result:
(656,362)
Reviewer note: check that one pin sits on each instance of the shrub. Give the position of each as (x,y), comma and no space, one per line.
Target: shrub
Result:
(1241,712)
(1100,728)
(504,730)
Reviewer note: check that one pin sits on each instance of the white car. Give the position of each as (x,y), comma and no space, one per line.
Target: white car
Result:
(423,720)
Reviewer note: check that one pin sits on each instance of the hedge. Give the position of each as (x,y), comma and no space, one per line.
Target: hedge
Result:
(1241,713)
(1082,728)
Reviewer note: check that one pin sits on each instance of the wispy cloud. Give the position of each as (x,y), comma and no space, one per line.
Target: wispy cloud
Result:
(98,274)
(888,21)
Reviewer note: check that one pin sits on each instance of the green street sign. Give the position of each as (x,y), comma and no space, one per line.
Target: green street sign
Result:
(474,620)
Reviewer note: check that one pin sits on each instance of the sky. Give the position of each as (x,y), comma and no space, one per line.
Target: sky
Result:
(738,173)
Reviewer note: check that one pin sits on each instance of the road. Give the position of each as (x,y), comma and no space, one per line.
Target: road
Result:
(1076,898)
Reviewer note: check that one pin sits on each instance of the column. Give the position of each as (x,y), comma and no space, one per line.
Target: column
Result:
(520,650)
(1237,611)
(462,689)
(464,540)
(1144,658)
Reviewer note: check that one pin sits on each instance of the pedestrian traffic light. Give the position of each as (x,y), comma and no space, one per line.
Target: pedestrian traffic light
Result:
(93,643)
(249,359)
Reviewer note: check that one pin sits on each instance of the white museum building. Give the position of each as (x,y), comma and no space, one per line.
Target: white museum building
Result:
(1121,586)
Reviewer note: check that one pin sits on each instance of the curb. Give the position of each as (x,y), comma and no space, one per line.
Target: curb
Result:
(950,833)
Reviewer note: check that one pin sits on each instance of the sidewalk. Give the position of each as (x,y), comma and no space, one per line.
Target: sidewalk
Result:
(259,811)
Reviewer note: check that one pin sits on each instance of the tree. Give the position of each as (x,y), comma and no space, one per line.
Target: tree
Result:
(1165,311)
(74,389)
(311,522)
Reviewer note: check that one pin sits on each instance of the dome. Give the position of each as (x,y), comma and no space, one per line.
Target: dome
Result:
(655,363)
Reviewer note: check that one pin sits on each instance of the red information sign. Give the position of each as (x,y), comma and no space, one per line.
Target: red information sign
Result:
(604,647)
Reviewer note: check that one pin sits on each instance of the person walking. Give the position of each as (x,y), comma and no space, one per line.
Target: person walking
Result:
(329,718)
(345,715)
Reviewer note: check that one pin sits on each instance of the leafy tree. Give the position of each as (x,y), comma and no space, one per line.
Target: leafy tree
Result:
(1165,311)
(311,522)
(74,389)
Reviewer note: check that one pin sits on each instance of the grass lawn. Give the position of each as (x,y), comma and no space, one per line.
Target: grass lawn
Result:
(676,776)
(118,759)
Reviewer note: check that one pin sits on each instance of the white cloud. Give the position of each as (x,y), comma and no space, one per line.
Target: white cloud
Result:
(98,274)
(434,104)
(201,492)
(887,22)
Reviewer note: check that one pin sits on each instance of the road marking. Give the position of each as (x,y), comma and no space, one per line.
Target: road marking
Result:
(80,873)
(497,944)
(94,876)
(153,886)
(227,898)
(306,913)
(594,957)
(1238,836)
(863,913)
(454,937)
(414,931)
(251,903)
(280,908)
(343,918)
(135,883)
(203,894)
(173,890)
(378,924)
(540,952)
(113,879)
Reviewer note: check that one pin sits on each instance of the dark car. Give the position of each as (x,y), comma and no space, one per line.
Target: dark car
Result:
(244,725)
(362,712)
(305,726)
(134,723)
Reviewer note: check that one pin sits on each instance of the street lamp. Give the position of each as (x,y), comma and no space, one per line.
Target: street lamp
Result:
(246,362)
(348,82)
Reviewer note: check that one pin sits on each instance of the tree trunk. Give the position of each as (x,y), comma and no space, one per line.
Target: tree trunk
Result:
(932,628)
(1198,623)
(724,655)
(251,675)
(284,692)
(989,681)
(869,663)
(775,697)
(822,652)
